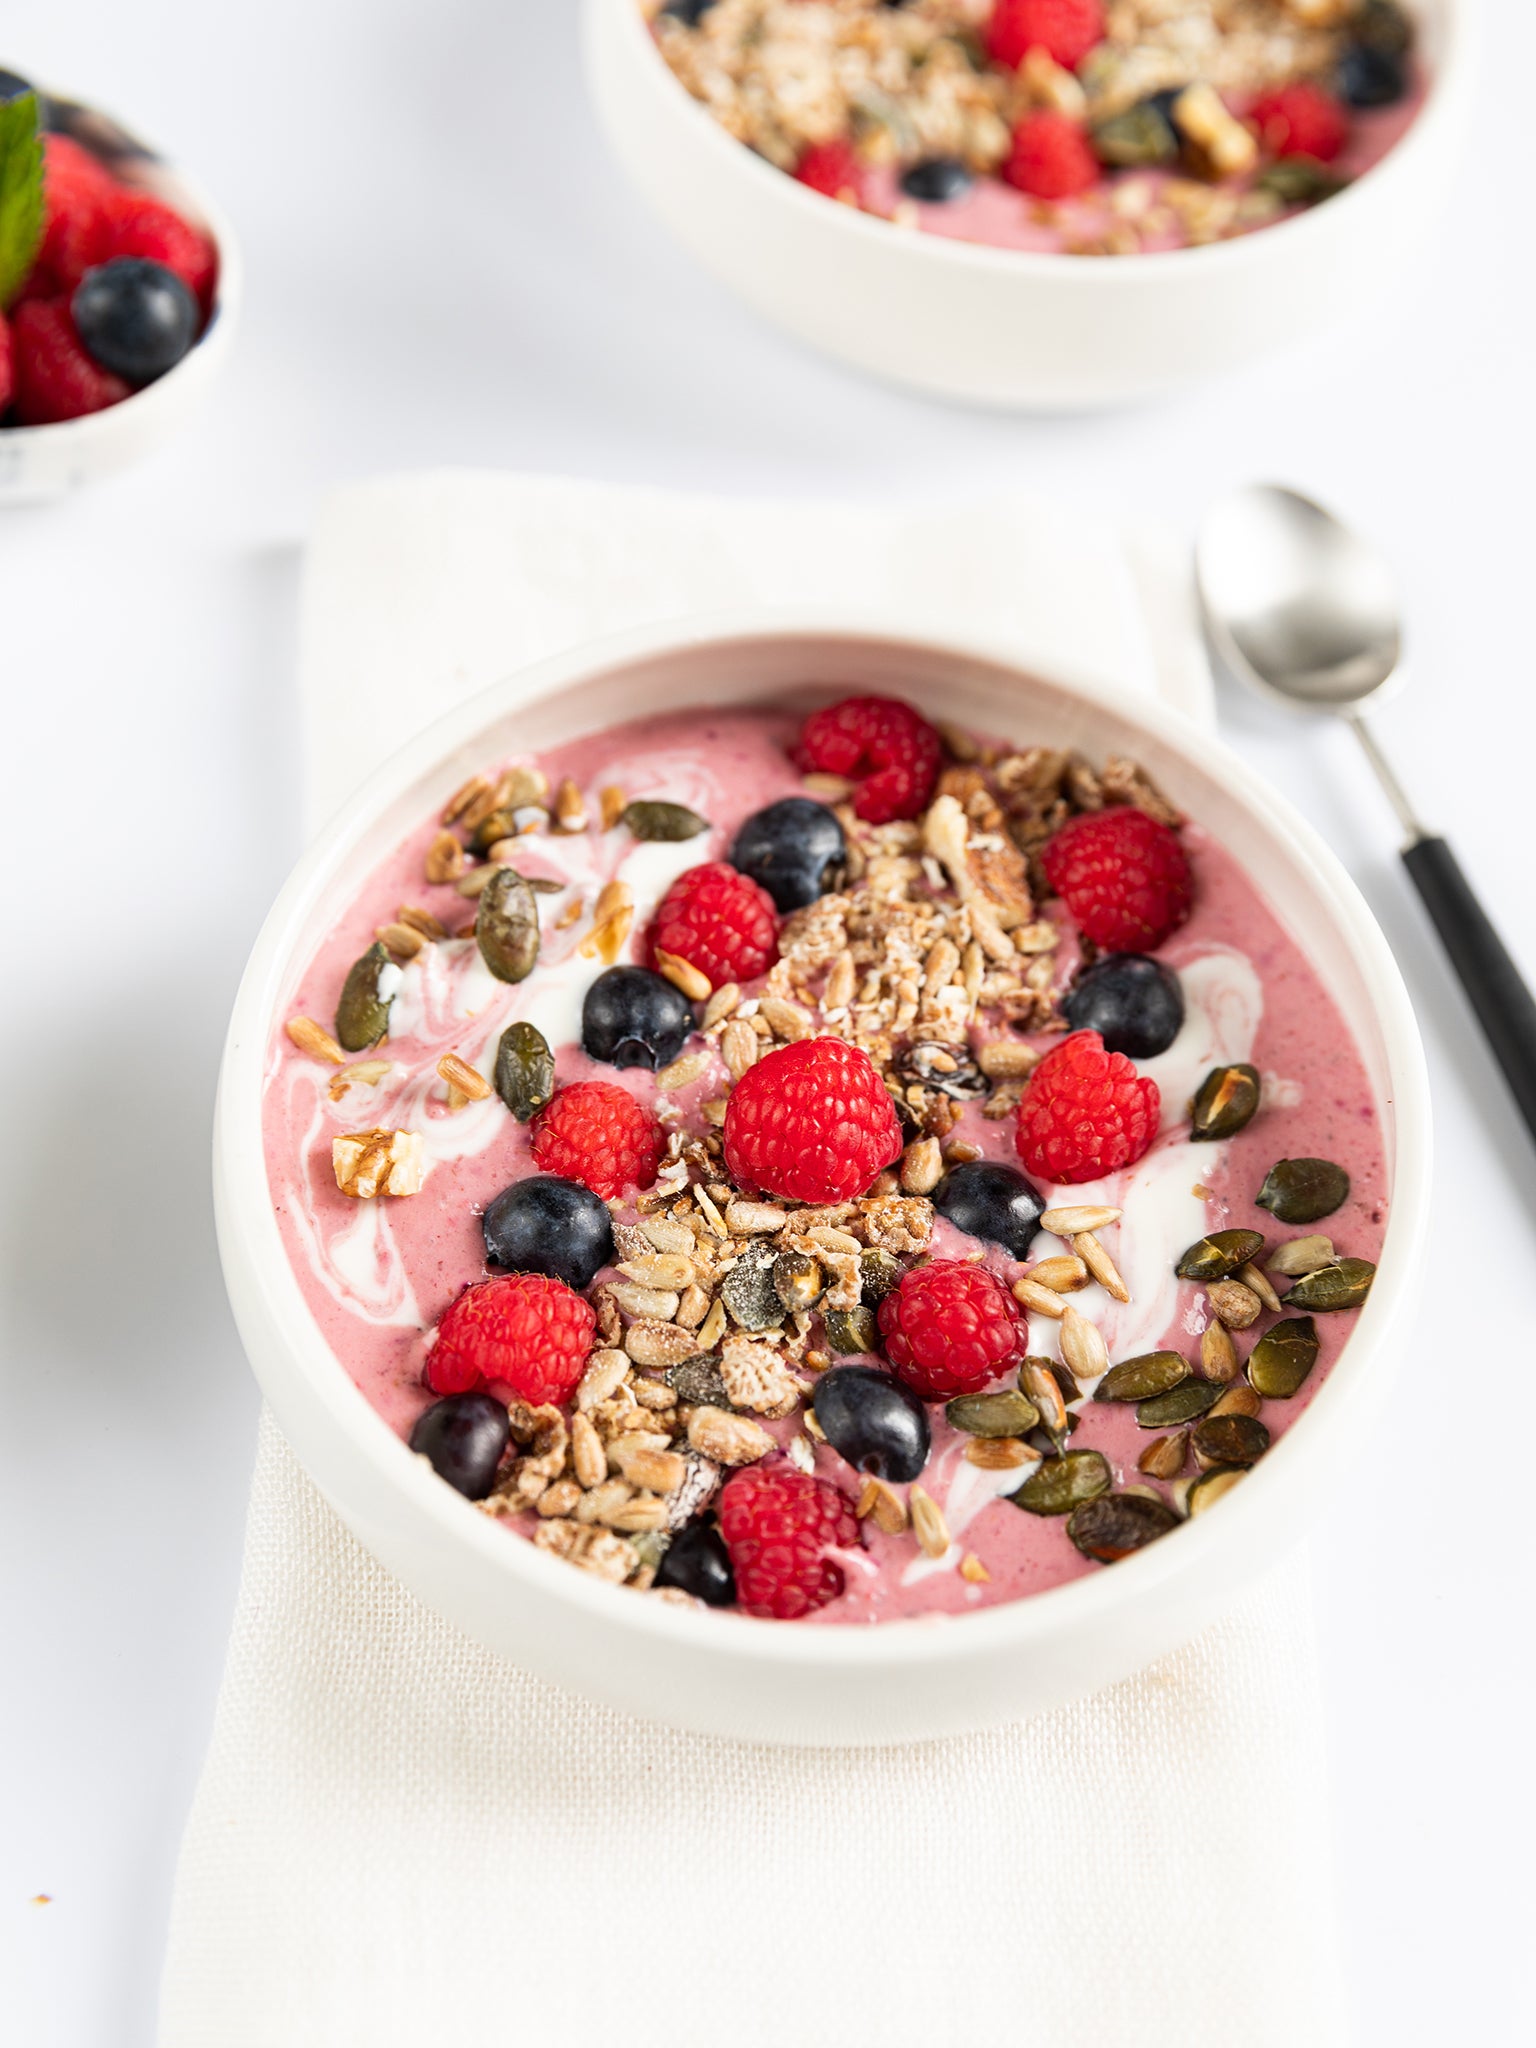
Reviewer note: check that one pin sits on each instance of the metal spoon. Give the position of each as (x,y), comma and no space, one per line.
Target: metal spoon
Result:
(1302,610)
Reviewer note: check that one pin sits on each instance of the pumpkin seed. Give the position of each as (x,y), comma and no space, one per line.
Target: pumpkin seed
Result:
(1228,1440)
(1210,1486)
(1302,1190)
(652,819)
(500,824)
(1282,1358)
(749,1293)
(1180,1404)
(362,1015)
(525,1070)
(507,926)
(850,1330)
(1140,135)
(1164,1457)
(1299,1256)
(1224,1102)
(798,1280)
(1058,1485)
(1114,1525)
(879,1272)
(1218,1256)
(1009,1414)
(1299,181)
(697,1381)
(1344,1284)
(1138,1379)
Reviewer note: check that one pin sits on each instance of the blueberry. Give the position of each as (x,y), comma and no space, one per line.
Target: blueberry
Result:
(549,1225)
(873,1421)
(135,317)
(990,1200)
(634,1018)
(690,12)
(1371,78)
(13,85)
(794,848)
(698,1562)
(1135,1004)
(464,1437)
(936,180)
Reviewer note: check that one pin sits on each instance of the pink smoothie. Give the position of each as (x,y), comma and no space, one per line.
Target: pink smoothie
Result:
(377,1274)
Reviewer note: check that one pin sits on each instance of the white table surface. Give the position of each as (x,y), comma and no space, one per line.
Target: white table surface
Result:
(443,268)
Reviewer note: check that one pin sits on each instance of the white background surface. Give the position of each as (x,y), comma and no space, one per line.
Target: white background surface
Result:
(443,268)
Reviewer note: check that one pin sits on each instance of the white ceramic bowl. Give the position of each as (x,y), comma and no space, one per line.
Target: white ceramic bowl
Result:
(721,1672)
(37,463)
(1005,327)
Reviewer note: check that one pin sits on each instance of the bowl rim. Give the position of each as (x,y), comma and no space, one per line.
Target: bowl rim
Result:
(1458,28)
(216,333)
(250,1242)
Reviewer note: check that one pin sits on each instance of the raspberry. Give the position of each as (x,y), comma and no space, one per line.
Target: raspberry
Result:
(812,1122)
(951,1329)
(721,922)
(54,377)
(597,1133)
(833,169)
(1123,876)
(1051,157)
(138,224)
(1065,29)
(5,363)
(1301,120)
(76,189)
(526,1330)
(1086,1112)
(898,752)
(778,1525)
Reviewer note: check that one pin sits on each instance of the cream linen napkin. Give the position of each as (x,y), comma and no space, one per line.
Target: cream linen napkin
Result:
(400,1840)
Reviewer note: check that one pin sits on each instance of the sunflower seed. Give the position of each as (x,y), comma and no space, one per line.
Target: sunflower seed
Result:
(999,1453)
(1236,1305)
(1210,1486)
(1061,1274)
(721,1004)
(1299,1256)
(1100,1265)
(1238,1399)
(314,1039)
(1218,1354)
(1251,1276)
(1164,1457)
(1040,1299)
(1072,1222)
(922,1167)
(928,1524)
(887,1508)
(1083,1349)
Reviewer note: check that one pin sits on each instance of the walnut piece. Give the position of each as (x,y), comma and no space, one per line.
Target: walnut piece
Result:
(379,1162)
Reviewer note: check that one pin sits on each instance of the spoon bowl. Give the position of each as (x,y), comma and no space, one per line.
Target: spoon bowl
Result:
(1297,606)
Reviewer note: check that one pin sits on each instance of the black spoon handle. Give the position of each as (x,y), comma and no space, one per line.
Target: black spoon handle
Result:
(1491,979)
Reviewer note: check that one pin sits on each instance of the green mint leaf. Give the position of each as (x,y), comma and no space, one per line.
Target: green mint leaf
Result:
(21,192)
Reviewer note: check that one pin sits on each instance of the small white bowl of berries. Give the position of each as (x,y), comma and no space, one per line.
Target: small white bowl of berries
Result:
(1047,204)
(118,292)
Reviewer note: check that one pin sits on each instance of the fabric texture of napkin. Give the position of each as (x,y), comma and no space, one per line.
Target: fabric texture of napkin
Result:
(401,1840)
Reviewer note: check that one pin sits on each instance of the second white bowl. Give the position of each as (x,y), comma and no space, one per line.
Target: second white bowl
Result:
(1000,326)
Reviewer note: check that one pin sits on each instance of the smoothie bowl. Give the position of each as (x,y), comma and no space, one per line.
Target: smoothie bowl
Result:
(807,1220)
(918,189)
